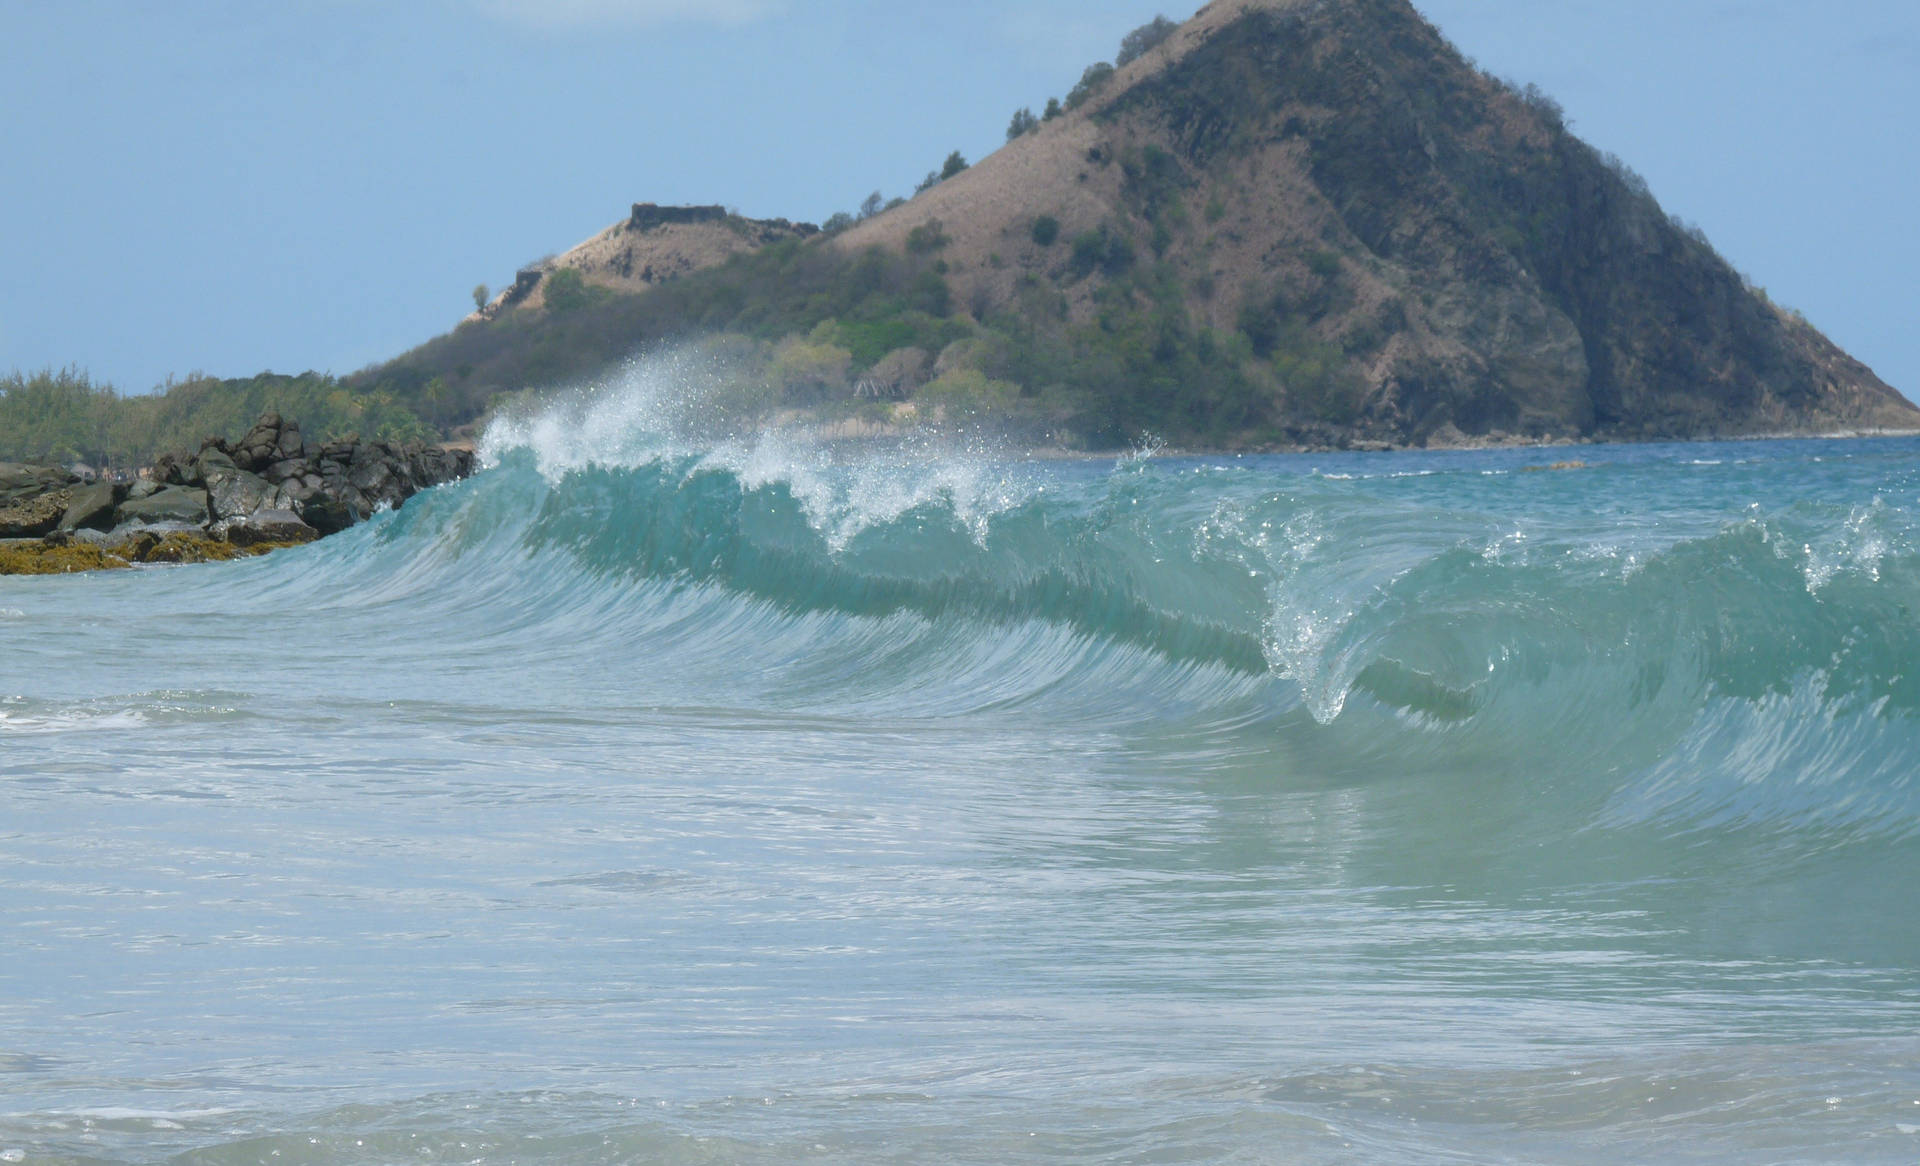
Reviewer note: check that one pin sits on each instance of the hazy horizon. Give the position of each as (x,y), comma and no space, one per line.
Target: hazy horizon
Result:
(320,184)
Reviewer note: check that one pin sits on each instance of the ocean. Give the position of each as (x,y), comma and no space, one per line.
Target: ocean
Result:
(661,796)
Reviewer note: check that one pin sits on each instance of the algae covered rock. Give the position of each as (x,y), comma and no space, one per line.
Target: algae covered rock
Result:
(60,557)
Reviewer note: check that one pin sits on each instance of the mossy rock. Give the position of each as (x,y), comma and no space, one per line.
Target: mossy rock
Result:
(45,559)
(66,557)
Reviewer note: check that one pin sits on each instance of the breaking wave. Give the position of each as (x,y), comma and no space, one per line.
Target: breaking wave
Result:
(1728,663)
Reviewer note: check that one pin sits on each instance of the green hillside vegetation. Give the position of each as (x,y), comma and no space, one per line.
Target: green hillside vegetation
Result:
(806,324)
(64,416)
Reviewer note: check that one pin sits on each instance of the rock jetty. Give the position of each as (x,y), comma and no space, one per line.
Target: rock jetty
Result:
(270,489)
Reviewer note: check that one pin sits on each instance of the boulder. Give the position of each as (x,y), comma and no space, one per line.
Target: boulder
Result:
(286,496)
(35,515)
(327,513)
(267,526)
(144,488)
(357,504)
(272,439)
(371,476)
(212,465)
(236,495)
(20,482)
(92,506)
(175,504)
(171,469)
(280,471)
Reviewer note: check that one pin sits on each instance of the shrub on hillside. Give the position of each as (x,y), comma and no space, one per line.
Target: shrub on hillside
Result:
(1102,250)
(967,393)
(927,238)
(566,291)
(1046,229)
(1090,83)
(1538,100)
(1144,40)
(805,371)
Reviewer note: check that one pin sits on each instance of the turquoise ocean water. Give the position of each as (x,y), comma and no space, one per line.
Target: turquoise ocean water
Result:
(655,797)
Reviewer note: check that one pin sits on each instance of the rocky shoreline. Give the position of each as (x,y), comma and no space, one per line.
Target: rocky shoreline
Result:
(268,490)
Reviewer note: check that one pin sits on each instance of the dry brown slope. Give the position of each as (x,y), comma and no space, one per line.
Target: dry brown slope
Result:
(652,246)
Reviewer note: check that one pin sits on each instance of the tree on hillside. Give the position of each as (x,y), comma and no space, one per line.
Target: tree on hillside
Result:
(1053,109)
(1090,83)
(873,205)
(1144,40)
(956,162)
(481,294)
(1023,123)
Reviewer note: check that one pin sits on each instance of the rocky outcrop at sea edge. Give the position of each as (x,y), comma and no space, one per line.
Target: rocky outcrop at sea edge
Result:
(270,489)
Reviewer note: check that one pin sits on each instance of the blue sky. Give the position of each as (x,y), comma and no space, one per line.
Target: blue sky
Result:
(231,185)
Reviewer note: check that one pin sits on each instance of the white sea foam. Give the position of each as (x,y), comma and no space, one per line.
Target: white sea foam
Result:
(1304,620)
(690,403)
(1857,546)
(71,721)
(648,408)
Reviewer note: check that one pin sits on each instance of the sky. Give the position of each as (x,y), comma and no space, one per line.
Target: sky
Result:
(231,186)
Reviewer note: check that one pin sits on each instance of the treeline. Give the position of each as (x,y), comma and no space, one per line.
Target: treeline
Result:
(64,416)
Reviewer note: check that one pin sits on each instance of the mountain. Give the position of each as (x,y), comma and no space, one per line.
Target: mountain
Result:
(1286,222)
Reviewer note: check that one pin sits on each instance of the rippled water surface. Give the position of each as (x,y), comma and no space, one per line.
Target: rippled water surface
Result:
(655,800)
